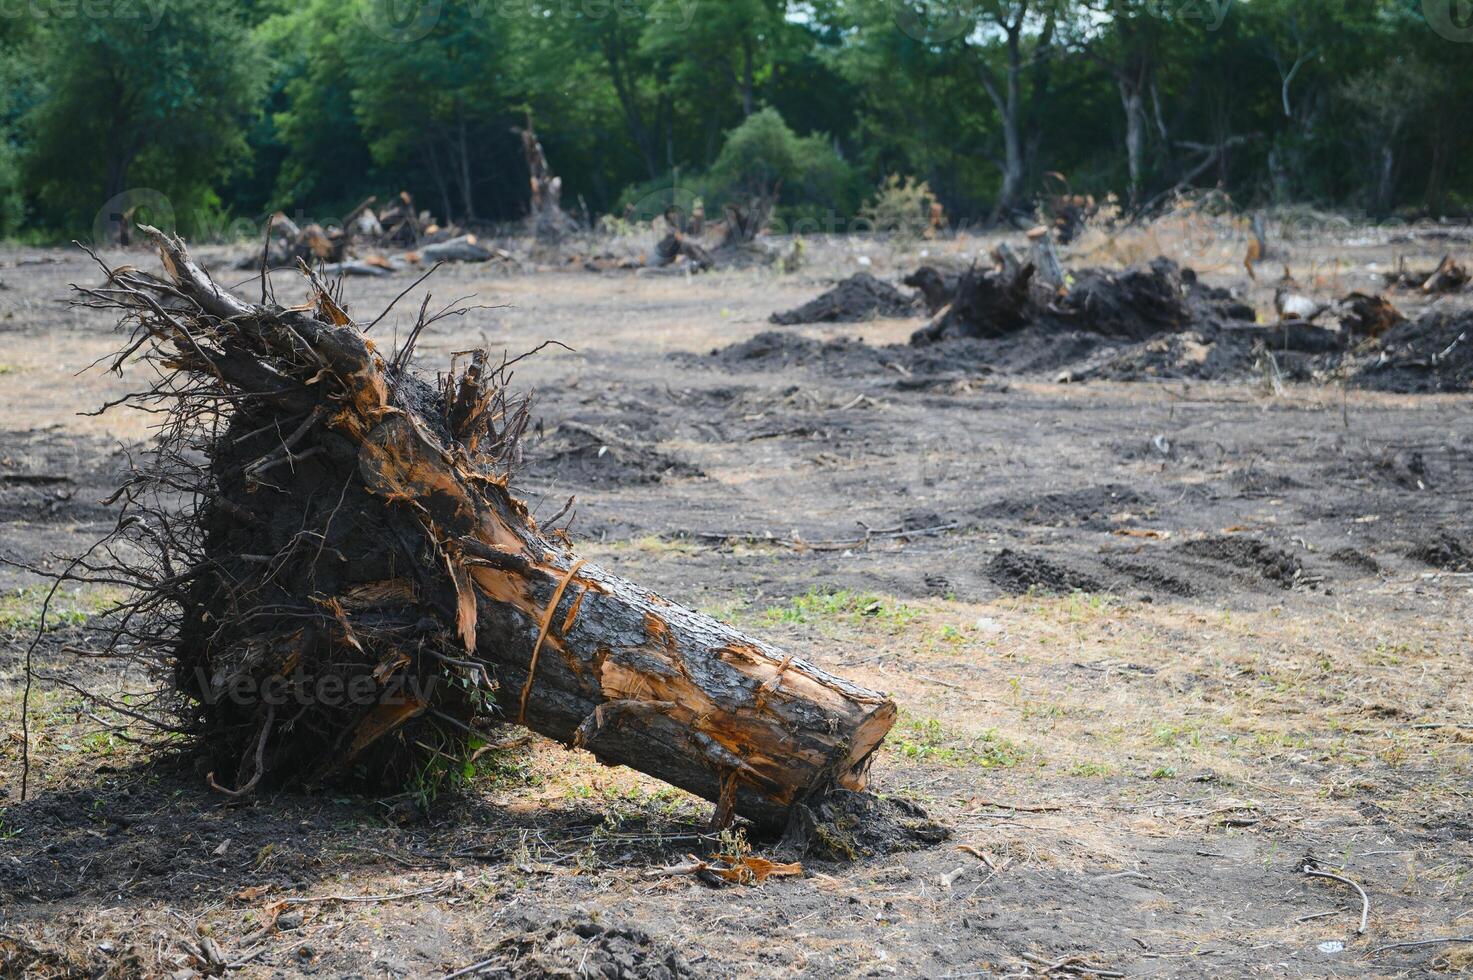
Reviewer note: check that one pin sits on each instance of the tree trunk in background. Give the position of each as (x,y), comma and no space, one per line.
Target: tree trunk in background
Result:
(746,77)
(1008,101)
(639,132)
(463,152)
(1385,186)
(1135,133)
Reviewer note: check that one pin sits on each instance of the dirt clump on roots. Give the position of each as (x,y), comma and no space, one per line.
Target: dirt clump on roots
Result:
(1150,321)
(936,286)
(1135,304)
(856,299)
(851,826)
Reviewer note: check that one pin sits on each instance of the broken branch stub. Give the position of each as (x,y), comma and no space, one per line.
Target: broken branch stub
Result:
(355,523)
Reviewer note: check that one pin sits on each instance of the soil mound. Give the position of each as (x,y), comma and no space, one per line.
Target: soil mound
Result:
(1146,576)
(583,947)
(1433,353)
(1018,571)
(1155,321)
(936,286)
(773,349)
(858,298)
(1356,558)
(1087,506)
(1248,554)
(1140,302)
(1444,550)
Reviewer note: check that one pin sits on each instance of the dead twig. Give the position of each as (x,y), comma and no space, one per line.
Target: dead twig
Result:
(798,544)
(421,893)
(1071,964)
(1413,943)
(1311,869)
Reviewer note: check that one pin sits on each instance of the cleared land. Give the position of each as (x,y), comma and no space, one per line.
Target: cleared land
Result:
(1157,644)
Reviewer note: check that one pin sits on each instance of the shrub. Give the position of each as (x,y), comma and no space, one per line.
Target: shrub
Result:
(763,150)
(901,206)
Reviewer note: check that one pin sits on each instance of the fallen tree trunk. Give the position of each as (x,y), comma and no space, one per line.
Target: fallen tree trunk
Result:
(462,249)
(356,526)
(676,245)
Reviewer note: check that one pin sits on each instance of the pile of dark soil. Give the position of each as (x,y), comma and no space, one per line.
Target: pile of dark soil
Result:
(1444,550)
(1017,571)
(1433,353)
(1135,304)
(1088,507)
(858,298)
(936,286)
(583,947)
(773,349)
(1249,554)
(848,826)
(588,455)
(1356,558)
(1156,321)
(1153,579)
(1032,350)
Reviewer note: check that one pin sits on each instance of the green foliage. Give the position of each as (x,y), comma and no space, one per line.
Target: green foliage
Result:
(900,206)
(12,202)
(763,155)
(231,109)
(128,104)
(842,606)
(927,740)
(17,88)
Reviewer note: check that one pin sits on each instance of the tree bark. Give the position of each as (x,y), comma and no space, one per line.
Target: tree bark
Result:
(464,153)
(747,76)
(624,88)
(1135,132)
(1007,100)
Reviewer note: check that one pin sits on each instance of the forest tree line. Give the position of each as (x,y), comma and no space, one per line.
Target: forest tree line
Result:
(237,108)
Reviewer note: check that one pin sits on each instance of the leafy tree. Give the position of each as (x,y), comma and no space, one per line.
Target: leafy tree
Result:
(763,156)
(126,104)
(317,156)
(311,105)
(441,101)
(16,89)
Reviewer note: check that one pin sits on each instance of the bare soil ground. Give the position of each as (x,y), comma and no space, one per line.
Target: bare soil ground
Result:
(1158,645)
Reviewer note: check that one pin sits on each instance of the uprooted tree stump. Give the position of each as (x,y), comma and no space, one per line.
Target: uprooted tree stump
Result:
(351,587)
(1137,303)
